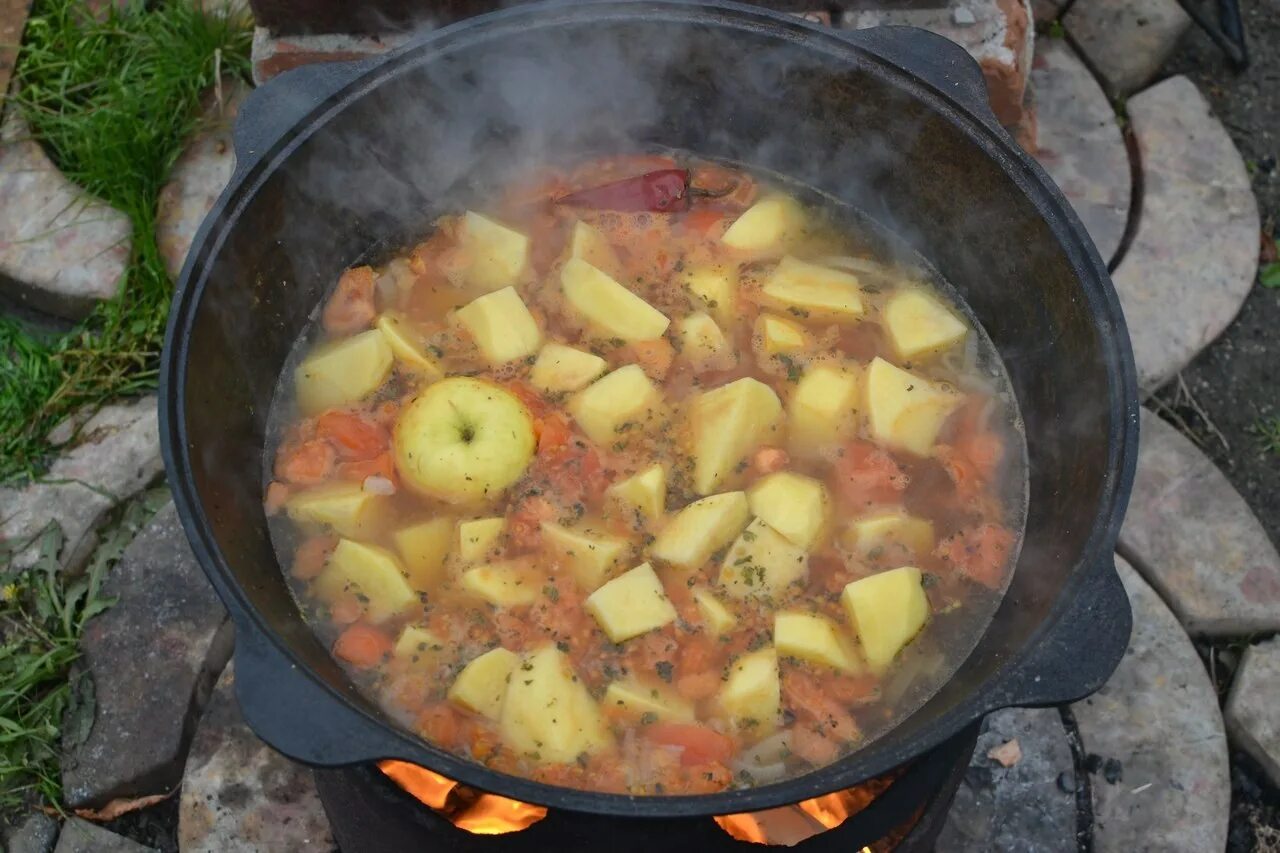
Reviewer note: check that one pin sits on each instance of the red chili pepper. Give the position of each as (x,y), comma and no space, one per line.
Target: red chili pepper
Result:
(663,191)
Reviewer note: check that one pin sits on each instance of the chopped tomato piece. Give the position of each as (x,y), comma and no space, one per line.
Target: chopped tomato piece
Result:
(351,435)
(362,645)
(979,553)
(312,554)
(766,460)
(553,432)
(306,464)
(440,724)
(524,524)
(866,475)
(699,686)
(701,744)
(382,465)
(351,309)
(654,357)
(702,219)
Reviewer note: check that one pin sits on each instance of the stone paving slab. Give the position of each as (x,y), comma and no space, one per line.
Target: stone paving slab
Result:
(1253,709)
(1027,808)
(153,658)
(997,33)
(80,836)
(274,55)
(198,178)
(36,833)
(61,251)
(241,796)
(1195,539)
(116,455)
(1194,256)
(1126,41)
(1162,782)
(13,19)
(1079,143)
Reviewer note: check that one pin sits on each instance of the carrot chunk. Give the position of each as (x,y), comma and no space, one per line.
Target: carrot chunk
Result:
(351,308)
(352,436)
(362,645)
(306,464)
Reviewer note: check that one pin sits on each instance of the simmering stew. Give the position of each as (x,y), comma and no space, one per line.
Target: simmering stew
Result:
(652,476)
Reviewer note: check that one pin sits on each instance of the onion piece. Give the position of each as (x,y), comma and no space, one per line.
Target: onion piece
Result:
(378,485)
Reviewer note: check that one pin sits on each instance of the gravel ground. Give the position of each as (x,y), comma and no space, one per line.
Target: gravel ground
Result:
(1235,383)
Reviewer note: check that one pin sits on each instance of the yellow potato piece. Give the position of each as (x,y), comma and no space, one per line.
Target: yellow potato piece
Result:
(423,548)
(919,324)
(700,529)
(718,618)
(345,507)
(762,562)
(482,684)
(494,255)
(752,694)
(813,638)
(637,699)
(548,716)
(418,648)
(894,526)
(501,326)
(715,291)
(343,372)
(560,368)
(625,396)
(814,292)
(823,409)
(701,341)
(407,346)
(778,335)
(478,538)
(373,574)
(631,604)
(887,610)
(768,225)
(644,493)
(607,306)
(591,246)
(792,504)
(590,555)
(501,584)
(725,425)
(906,411)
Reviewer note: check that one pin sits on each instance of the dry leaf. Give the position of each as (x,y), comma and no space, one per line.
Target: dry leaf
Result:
(115,808)
(1006,754)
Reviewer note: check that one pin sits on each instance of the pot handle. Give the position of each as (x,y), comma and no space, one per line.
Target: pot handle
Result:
(940,62)
(1080,651)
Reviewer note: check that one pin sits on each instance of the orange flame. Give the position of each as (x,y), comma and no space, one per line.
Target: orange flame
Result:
(789,825)
(486,814)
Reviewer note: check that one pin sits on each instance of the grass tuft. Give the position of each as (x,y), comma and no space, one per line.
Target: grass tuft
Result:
(113,99)
(1267,431)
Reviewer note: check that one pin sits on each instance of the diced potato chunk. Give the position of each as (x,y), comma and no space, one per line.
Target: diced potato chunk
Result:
(894,526)
(715,291)
(815,638)
(726,424)
(501,326)
(752,695)
(906,411)
(561,368)
(418,648)
(887,610)
(501,584)
(631,604)
(768,225)
(548,715)
(482,684)
(343,372)
(406,345)
(823,409)
(701,341)
(762,562)
(700,529)
(820,293)
(624,396)
(423,548)
(591,246)
(591,555)
(494,255)
(919,324)
(373,574)
(634,698)
(478,538)
(718,619)
(607,306)
(644,493)
(792,504)
(778,335)
(345,507)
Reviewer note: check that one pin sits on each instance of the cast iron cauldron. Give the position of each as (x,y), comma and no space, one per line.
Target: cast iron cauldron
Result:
(337,160)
